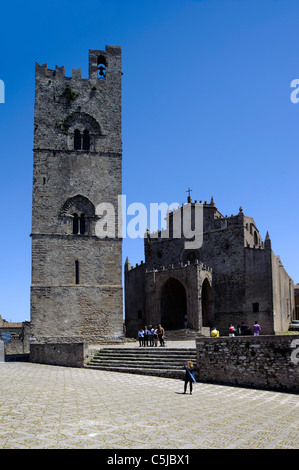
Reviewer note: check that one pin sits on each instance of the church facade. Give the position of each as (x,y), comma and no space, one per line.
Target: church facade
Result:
(234,277)
(76,287)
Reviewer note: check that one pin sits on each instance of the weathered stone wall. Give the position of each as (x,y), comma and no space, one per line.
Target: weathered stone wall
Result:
(20,339)
(135,306)
(68,355)
(266,362)
(283,295)
(223,251)
(258,290)
(76,289)
(76,313)
(96,257)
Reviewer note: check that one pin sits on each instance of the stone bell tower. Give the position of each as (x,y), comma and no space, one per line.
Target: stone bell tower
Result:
(76,289)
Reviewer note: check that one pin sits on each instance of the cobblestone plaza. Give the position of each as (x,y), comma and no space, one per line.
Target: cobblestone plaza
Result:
(51,407)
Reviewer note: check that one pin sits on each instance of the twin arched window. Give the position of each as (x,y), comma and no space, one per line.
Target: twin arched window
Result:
(79,225)
(81,141)
(79,212)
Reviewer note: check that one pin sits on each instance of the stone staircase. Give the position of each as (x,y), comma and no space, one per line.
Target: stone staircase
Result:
(155,361)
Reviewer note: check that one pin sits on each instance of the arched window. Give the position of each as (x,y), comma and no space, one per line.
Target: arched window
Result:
(101,67)
(75,224)
(79,224)
(77,140)
(82,132)
(79,212)
(86,140)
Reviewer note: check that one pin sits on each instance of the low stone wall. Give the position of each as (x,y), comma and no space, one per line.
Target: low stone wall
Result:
(18,346)
(60,354)
(264,362)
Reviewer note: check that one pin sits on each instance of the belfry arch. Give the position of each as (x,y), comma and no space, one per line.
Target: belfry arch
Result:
(173,303)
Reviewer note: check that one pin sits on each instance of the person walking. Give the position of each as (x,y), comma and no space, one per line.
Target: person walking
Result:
(189,377)
(256,329)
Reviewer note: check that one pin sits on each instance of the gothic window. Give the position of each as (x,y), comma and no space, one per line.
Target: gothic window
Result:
(75,224)
(101,67)
(77,140)
(86,140)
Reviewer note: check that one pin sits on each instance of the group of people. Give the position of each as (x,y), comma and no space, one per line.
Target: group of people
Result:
(149,336)
(244,330)
(241,330)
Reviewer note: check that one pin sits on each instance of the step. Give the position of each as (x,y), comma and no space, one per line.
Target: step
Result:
(137,364)
(145,356)
(148,350)
(168,373)
(162,362)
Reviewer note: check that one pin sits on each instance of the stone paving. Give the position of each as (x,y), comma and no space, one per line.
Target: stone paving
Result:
(50,407)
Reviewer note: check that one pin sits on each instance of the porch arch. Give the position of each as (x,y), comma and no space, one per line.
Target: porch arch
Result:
(173,304)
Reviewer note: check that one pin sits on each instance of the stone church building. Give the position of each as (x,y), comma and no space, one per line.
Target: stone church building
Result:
(233,277)
(76,287)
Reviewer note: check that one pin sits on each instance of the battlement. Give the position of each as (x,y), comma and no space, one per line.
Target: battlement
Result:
(100,64)
(65,106)
(170,267)
(59,72)
(181,266)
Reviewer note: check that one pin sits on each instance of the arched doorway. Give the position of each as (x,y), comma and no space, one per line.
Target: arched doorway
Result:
(206,304)
(173,305)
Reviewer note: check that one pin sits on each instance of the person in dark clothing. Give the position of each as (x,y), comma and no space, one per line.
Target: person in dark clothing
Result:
(188,378)
(141,337)
(146,333)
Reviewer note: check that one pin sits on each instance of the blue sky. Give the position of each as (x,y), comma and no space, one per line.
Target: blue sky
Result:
(206,105)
